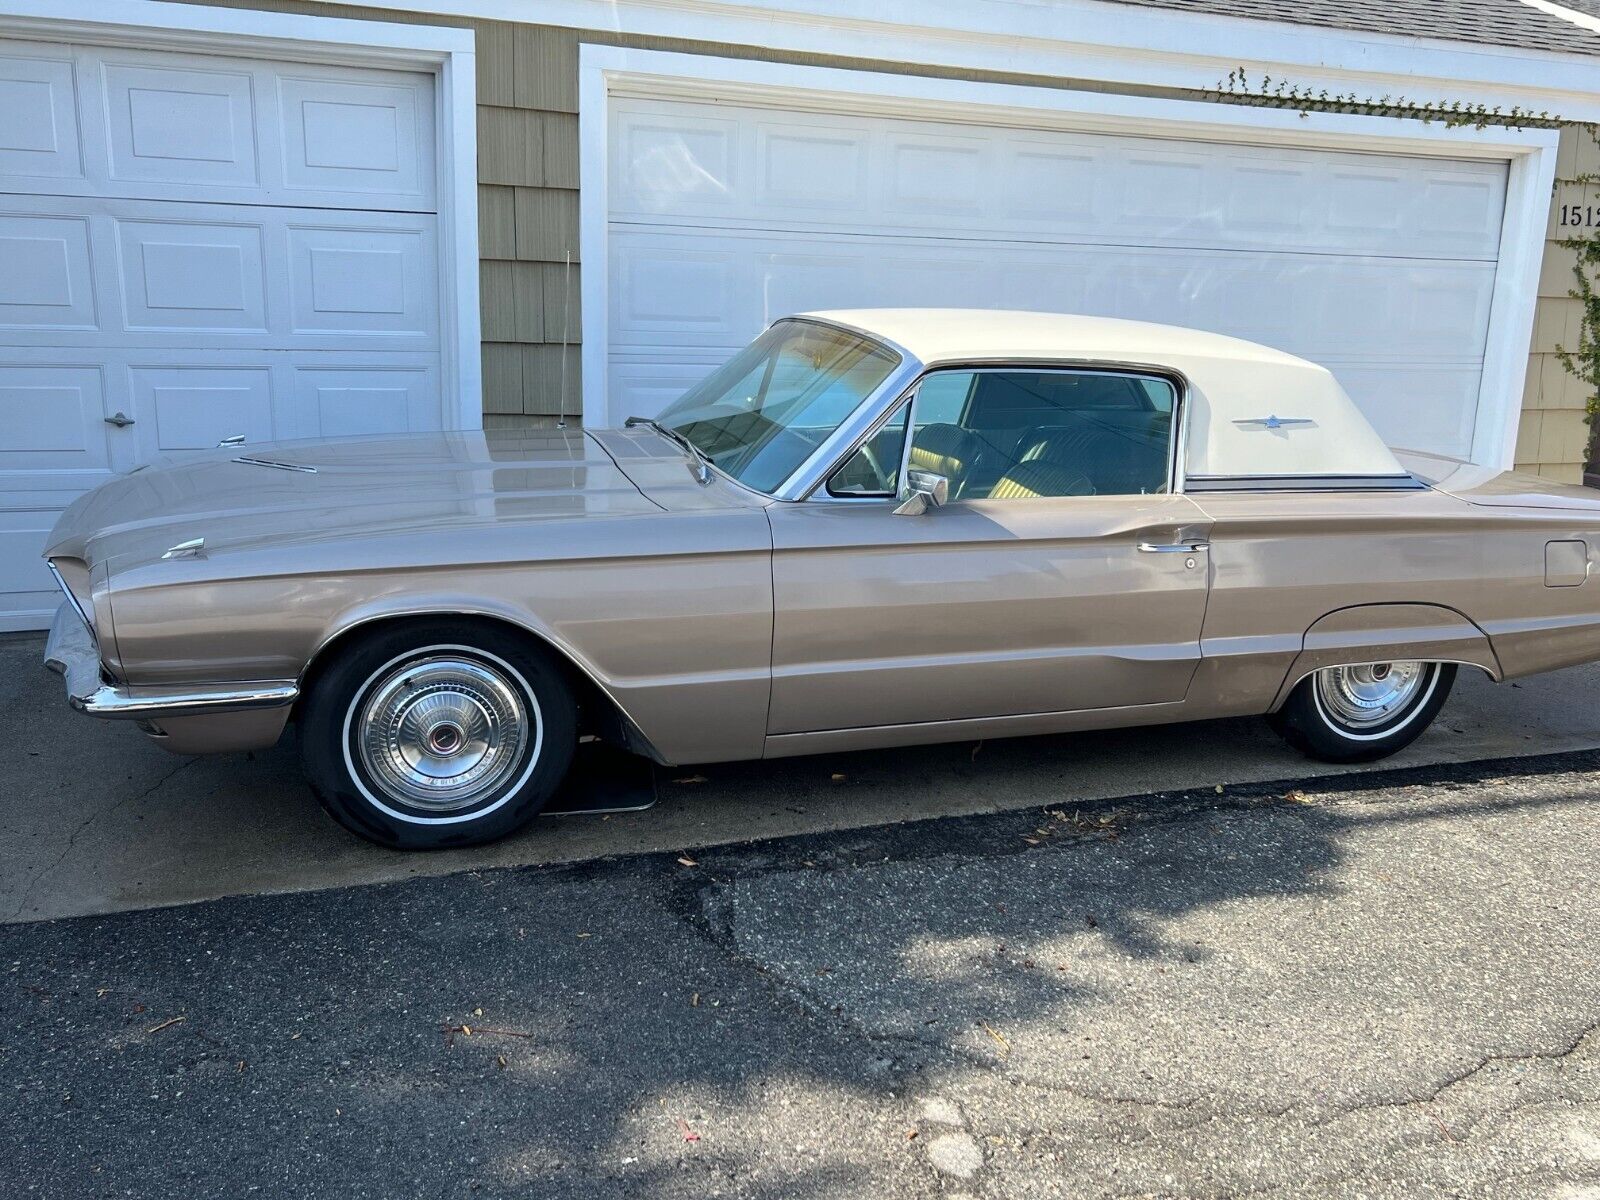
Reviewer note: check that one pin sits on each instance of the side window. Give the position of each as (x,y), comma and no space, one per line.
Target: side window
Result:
(874,469)
(1019,434)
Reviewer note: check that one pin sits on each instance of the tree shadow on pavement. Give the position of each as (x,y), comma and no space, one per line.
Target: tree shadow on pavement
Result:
(761,1020)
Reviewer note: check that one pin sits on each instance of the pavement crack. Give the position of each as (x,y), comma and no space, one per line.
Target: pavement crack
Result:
(1483,1063)
(83,826)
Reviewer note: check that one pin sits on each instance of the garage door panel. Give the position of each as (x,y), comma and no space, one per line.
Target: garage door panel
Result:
(340,400)
(174,125)
(162,126)
(30,595)
(185,407)
(828,173)
(357,138)
(363,281)
(39,136)
(192,276)
(647,385)
(809,169)
(1428,408)
(678,162)
(52,419)
(47,282)
(677,287)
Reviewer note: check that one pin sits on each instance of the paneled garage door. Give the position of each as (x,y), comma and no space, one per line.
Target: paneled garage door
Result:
(722,217)
(195,247)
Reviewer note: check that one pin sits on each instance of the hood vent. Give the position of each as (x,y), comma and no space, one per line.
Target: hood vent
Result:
(275,464)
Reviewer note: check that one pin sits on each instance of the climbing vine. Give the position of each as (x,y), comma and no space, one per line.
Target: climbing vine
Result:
(1583,360)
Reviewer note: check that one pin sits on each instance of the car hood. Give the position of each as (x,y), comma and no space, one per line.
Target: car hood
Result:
(294,493)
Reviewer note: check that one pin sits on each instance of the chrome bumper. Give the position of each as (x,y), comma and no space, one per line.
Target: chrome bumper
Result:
(71,652)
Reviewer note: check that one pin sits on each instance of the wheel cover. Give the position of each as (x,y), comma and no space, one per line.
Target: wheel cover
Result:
(1370,694)
(442,732)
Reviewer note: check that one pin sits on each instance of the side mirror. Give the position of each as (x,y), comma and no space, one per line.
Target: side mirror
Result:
(928,490)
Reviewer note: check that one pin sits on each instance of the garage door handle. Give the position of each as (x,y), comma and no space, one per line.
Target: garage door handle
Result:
(1171,548)
(120,419)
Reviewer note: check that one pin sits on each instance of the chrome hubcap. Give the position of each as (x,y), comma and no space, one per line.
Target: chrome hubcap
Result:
(1369,694)
(442,732)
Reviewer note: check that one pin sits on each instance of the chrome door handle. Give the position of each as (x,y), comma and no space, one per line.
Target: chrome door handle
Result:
(120,419)
(1173,548)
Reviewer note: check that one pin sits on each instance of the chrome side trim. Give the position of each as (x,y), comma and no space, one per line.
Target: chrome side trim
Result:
(71,652)
(72,599)
(1305,483)
(115,703)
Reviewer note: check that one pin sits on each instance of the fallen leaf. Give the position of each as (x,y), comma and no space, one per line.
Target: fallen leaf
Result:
(838,778)
(1296,796)
(1219,789)
(694,1000)
(911,1135)
(241,1066)
(501,1059)
(584,935)
(477,1012)
(1032,841)
(685,861)
(466,1031)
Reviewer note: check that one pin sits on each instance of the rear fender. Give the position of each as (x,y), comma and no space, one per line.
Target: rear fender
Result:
(1369,633)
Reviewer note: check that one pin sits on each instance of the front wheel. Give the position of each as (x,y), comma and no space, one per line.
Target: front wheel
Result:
(449,733)
(1363,712)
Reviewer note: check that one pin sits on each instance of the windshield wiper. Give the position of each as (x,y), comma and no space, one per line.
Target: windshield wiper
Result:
(702,461)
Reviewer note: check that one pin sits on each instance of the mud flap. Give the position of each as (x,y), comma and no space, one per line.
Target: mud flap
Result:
(604,779)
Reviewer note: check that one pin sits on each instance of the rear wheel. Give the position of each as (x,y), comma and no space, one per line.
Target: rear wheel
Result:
(1363,712)
(448,733)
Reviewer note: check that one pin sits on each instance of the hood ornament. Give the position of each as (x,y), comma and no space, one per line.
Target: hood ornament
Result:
(191,549)
(1273,422)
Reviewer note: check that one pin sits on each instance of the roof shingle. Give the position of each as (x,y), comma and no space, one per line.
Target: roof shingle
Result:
(1480,22)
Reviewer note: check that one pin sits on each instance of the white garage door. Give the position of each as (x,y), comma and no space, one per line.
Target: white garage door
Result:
(1379,267)
(195,247)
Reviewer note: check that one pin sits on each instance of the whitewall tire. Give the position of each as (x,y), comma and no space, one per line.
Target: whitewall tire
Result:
(425,735)
(1363,711)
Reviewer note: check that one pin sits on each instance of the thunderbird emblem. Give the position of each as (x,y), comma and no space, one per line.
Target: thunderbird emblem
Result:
(1274,422)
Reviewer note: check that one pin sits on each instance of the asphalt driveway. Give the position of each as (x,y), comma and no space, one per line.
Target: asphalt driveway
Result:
(1381,986)
(95,818)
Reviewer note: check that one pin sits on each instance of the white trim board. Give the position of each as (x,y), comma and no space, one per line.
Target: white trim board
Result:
(449,54)
(1085,40)
(1530,154)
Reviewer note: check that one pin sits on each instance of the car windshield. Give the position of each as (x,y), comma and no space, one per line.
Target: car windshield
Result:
(762,414)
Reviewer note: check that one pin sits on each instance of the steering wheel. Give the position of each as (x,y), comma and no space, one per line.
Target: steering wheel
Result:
(880,477)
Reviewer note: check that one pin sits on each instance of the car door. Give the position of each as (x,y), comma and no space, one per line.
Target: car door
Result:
(1062,573)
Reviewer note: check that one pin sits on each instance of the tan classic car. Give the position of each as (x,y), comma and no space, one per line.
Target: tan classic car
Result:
(868,529)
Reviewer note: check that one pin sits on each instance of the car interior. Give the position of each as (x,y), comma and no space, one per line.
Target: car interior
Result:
(1018,434)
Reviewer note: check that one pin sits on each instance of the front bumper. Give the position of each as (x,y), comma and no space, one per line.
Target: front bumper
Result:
(71,652)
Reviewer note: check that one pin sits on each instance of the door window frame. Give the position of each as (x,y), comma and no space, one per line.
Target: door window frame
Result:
(1177,434)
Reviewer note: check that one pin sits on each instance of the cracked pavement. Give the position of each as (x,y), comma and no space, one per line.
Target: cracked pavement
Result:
(1379,985)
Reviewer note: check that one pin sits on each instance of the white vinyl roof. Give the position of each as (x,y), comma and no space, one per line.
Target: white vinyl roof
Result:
(1252,410)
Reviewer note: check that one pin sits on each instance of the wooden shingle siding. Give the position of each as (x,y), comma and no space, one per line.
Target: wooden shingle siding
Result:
(1553,436)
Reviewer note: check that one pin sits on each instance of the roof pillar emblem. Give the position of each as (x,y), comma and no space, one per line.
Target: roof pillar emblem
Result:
(1273,422)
